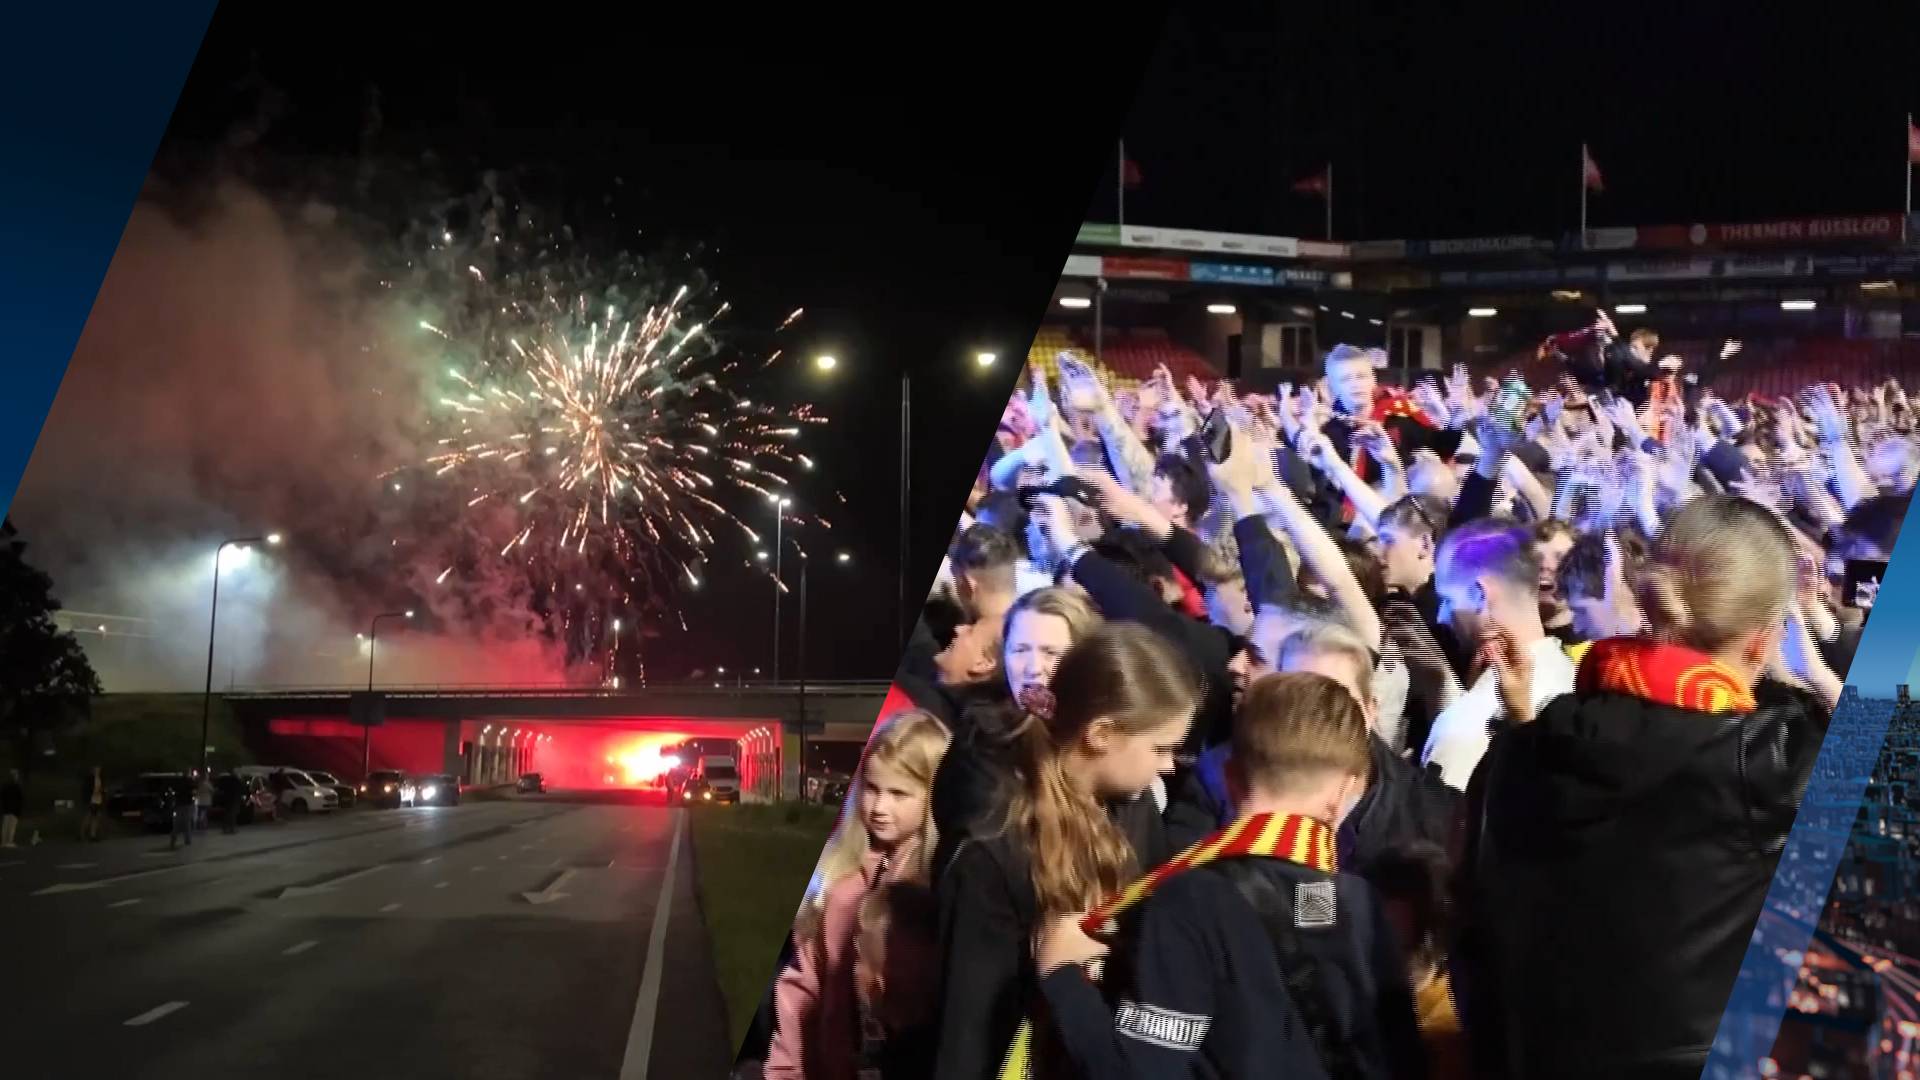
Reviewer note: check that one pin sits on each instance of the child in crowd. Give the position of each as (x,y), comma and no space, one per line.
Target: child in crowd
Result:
(831,1003)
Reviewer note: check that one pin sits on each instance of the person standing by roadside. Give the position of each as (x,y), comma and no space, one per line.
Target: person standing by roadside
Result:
(93,804)
(202,802)
(232,796)
(13,801)
(180,798)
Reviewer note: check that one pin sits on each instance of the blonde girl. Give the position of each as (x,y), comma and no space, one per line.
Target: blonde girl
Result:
(829,1024)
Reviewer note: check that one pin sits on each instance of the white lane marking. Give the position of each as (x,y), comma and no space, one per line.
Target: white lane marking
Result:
(83,886)
(430,861)
(526,847)
(395,906)
(296,950)
(477,869)
(443,884)
(552,892)
(640,1032)
(91,865)
(125,903)
(156,1013)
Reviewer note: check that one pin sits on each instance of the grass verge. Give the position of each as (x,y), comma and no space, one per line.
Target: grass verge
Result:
(752,863)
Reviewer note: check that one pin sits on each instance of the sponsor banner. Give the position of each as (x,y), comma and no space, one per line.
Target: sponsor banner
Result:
(1879,228)
(1480,245)
(1082,266)
(1231,273)
(1364,250)
(1093,233)
(1859,228)
(1125,267)
(1864,265)
(1148,236)
(1301,275)
(1751,266)
(1612,239)
(1537,276)
(1654,270)
(1319,249)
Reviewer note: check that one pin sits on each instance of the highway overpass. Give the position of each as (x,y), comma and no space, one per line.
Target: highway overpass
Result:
(491,733)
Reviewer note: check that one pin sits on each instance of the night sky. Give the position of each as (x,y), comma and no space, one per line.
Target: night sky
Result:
(916,198)
(1455,121)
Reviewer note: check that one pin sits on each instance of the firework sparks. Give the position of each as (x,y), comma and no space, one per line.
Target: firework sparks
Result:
(606,436)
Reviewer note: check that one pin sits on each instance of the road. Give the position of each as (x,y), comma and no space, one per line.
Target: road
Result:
(499,939)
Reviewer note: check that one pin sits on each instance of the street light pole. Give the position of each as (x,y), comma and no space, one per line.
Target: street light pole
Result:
(779,533)
(804,563)
(213,625)
(366,729)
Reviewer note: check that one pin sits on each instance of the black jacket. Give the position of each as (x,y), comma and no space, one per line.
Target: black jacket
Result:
(1402,805)
(988,914)
(13,799)
(1618,852)
(1197,987)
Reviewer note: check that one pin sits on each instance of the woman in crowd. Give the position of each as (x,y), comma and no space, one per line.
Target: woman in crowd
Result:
(1620,846)
(830,1003)
(1121,700)
(973,783)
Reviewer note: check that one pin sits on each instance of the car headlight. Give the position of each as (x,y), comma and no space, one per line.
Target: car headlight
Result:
(706,795)
(363,789)
(389,789)
(427,793)
(686,794)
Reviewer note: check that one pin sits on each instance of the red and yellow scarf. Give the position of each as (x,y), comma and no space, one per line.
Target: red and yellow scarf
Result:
(1294,837)
(1667,674)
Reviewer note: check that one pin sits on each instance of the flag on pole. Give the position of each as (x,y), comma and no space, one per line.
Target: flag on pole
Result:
(1317,184)
(1590,172)
(1130,173)
(1913,142)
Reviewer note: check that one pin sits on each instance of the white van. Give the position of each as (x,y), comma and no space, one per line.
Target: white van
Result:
(292,789)
(716,778)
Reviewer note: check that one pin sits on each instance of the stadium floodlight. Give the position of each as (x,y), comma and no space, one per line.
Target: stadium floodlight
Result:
(1798,305)
(985,359)
(1076,303)
(1221,309)
(826,362)
(1630,309)
(1483,312)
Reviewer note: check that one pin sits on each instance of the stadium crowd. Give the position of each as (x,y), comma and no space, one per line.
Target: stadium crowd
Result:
(1352,731)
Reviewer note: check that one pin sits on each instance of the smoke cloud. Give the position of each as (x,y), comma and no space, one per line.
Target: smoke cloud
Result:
(237,376)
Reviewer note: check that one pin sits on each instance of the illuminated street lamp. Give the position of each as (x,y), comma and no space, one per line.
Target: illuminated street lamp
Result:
(366,731)
(213,622)
(983,360)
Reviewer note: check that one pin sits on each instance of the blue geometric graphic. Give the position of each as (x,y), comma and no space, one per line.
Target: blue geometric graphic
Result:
(89,89)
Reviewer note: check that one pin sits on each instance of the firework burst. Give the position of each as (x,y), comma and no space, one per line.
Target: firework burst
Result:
(598,442)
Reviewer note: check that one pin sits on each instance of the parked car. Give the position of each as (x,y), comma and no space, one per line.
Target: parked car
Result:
(828,788)
(532,784)
(147,797)
(256,802)
(334,784)
(438,789)
(389,789)
(296,792)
